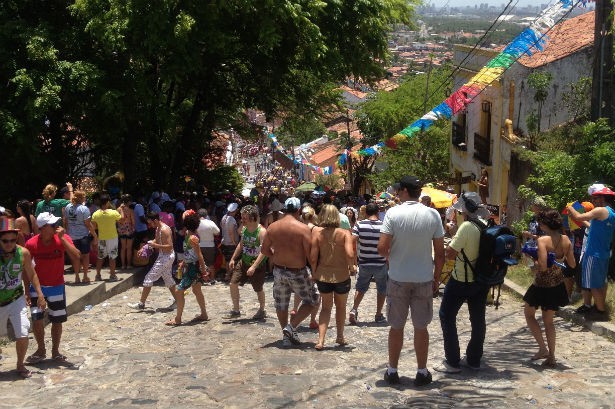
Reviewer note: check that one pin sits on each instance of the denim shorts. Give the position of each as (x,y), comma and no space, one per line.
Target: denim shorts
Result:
(380,274)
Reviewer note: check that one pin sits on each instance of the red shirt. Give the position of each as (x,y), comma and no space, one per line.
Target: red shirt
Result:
(49,259)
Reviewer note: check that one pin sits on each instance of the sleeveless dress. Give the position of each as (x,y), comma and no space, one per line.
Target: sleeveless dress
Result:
(548,291)
(332,265)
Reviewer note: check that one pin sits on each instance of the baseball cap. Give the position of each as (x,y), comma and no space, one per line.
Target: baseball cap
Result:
(2,210)
(409,182)
(232,207)
(292,204)
(46,218)
(600,189)
(470,204)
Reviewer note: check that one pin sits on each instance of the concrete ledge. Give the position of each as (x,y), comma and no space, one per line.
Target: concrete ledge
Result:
(605,329)
(79,296)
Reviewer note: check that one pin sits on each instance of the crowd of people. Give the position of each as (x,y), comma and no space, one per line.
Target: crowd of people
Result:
(311,244)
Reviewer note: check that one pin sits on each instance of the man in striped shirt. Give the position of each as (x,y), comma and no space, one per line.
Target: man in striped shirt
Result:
(366,234)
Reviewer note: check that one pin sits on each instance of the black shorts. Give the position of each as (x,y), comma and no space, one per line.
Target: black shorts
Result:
(337,288)
(83,245)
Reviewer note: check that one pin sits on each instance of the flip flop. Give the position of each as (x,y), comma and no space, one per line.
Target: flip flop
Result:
(341,342)
(539,356)
(35,359)
(24,373)
(60,358)
(86,281)
(172,323)
(319,347)
(199,318)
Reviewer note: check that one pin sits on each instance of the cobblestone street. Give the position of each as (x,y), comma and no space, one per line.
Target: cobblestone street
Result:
(126,358)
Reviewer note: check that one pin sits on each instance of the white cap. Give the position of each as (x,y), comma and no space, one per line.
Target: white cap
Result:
(292,204)
(46,218)
(2,210)
(595,188)
(232,207)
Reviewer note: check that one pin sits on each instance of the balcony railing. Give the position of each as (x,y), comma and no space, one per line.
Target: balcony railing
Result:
(482,149)
(459,139)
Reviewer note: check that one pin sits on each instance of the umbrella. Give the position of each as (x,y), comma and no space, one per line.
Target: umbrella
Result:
(306,187)
(439,198)
(385,195)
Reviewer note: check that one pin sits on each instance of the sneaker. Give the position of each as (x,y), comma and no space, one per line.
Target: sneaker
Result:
(583,309)
(137,306)
(595,315)
(464,362)
(352,317)
(292,334)
(380,318)
(260,315)
(445,367)
(422,380)
(391,378)
(286,341)
(234,314)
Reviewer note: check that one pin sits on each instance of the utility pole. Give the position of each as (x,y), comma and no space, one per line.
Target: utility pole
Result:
(602,104)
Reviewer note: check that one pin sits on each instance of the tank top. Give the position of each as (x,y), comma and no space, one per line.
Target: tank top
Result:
(251,245)
(11,270)
(600,234)
(332,261)
(190,255)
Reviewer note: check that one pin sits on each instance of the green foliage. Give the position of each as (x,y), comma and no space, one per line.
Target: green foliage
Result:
(101,85)
(540,81)
(386,113)
(223,177)
(568,160)
(577,99)
(425,156)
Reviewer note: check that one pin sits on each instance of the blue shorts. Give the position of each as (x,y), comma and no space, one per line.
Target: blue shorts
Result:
(380,274)
(83,244)
(56,303)
(594,271)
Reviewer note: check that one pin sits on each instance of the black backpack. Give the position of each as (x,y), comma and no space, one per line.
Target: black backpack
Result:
(496,247)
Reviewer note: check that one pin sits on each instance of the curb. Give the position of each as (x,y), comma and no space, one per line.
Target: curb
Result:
(605,329)
(79,297)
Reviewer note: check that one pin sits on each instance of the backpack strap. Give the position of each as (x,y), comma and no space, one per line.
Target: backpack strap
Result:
(466,261)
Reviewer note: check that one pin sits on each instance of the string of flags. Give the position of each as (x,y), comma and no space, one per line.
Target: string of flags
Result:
(527,42)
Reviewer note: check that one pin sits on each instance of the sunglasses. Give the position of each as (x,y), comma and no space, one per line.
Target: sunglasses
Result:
(9,241)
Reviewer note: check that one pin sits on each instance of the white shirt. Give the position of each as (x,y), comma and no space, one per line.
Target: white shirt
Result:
(206,231)
(413,227)
(229,225)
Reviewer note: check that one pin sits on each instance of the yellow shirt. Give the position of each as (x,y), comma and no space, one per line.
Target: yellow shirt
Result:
(105,220)
(468,240)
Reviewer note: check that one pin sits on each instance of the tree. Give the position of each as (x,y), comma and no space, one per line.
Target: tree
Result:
(540,81)
(145,84)
(384,114)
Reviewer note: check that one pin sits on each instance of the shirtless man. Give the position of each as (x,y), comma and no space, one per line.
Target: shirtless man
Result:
(288,243)
(163,242)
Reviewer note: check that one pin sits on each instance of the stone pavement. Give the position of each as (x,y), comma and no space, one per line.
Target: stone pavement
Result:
(124,358)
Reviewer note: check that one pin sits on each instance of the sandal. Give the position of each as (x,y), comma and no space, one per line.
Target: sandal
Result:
(319,347)
(341,341)
(539,355)
(35,359)
(60,358)
(24,373)
(98,277)
(200,318)
(549,363)
(77,280)
(113,278)
(173,323)
(86,280)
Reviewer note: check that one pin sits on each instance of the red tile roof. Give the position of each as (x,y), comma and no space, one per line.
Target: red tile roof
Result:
(563,40)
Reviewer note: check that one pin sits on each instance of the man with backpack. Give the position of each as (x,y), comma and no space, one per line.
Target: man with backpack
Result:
(462,287)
